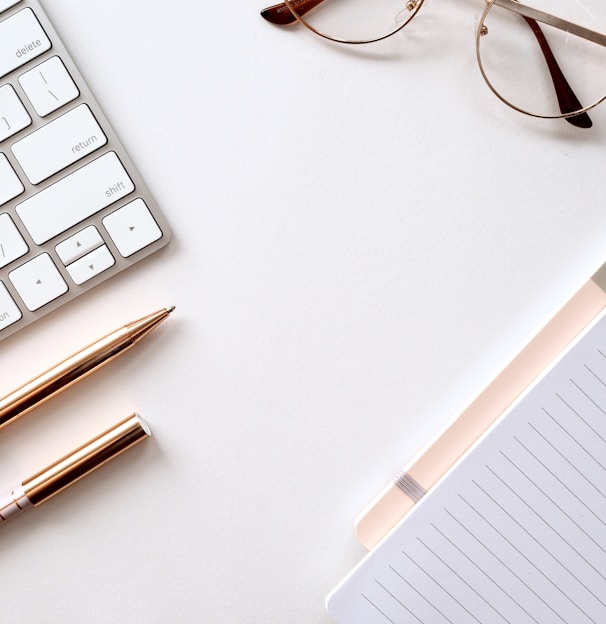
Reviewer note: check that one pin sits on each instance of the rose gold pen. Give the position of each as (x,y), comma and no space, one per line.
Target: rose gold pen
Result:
(77,366)
(71,468)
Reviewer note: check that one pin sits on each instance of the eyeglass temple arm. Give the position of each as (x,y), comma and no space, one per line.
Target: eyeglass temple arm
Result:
(281,15)
(567,99)
(552,20)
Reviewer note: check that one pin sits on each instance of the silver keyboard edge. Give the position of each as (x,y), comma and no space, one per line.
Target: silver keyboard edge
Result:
(113,144)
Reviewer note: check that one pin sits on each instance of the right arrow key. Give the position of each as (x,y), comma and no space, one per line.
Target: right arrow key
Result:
(132,227)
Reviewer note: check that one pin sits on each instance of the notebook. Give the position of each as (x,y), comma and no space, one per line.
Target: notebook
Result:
(439,454)
(515,532)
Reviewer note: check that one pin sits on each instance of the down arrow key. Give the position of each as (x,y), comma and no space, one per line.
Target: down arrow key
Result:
(91,265)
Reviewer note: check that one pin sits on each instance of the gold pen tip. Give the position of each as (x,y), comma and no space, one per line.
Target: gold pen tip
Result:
(169,310)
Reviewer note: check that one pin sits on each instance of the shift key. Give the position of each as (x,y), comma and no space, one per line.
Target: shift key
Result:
(75,198)
(59,144)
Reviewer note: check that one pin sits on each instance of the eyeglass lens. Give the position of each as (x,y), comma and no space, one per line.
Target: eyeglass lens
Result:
(525,61)
(540,65)
(354,21)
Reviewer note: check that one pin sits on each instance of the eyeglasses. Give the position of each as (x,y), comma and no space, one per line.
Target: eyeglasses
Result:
(524,53)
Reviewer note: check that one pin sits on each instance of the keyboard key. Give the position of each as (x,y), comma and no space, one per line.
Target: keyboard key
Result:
(49,86)
(38,282)
(74,198)
(62,171)
(90,265)
(9,312)
(21,40)
(7,4)
(13,116)
(12,245)
(79,244)
(10,185)
(132,227)
(59,144)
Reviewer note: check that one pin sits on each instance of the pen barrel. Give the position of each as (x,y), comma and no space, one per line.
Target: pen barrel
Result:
(77,367)
(63,375)
(85,459)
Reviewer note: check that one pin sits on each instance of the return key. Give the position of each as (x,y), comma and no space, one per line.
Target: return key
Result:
(59,144)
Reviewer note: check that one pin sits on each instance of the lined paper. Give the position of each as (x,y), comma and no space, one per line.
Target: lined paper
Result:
(516,531)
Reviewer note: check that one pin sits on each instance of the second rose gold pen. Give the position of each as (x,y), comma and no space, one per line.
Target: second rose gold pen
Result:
(76,367)
(72,467)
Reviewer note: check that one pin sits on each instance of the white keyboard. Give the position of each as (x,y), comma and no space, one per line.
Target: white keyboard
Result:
(73,209)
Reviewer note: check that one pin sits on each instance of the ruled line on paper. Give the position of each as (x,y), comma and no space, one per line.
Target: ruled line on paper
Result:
(595,375)
(433,606)
(538,542)
(555,504)
(377,608)
(475,591)
(527,559)
(399,602)
(488,575)
(576,385)
(575,468)
(569,434)
(580,417)
(569,490)
(442,587)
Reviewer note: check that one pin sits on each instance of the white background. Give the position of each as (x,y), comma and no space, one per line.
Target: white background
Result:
(361,239)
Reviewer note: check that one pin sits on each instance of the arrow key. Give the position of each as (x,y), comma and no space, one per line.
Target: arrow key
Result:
(38,282)
(79,244)
(132,227)
(91,265)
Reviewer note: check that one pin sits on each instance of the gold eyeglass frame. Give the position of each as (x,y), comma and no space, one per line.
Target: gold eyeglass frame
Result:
(544,18)
(413,6)
(288,12)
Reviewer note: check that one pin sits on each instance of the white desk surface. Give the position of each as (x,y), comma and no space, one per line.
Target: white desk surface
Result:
(361,239)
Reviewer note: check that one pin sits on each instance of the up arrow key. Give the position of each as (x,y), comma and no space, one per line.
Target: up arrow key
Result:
(78,245)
